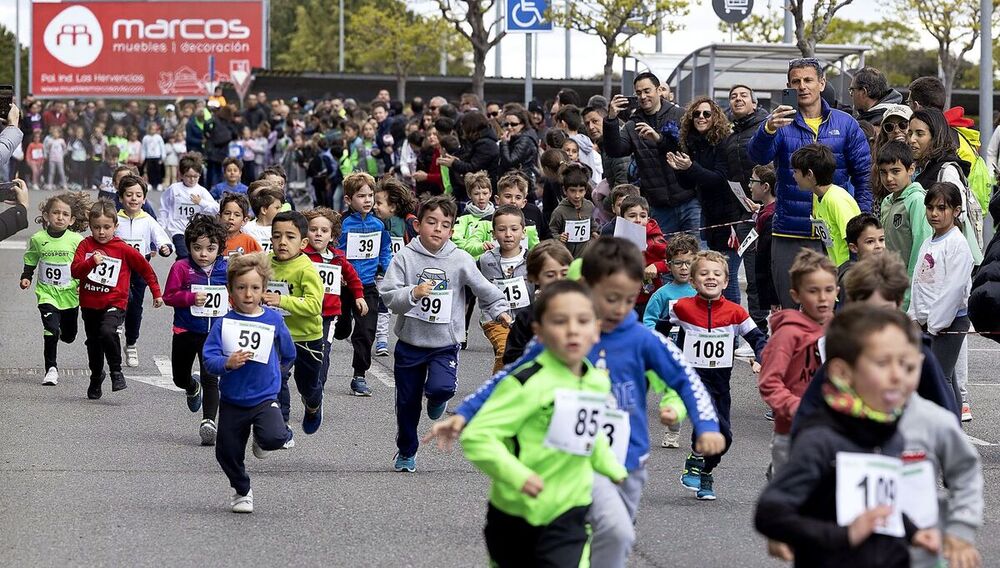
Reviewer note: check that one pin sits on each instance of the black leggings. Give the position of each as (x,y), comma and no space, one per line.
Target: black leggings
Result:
(101,327)
(185,347)
(58,325)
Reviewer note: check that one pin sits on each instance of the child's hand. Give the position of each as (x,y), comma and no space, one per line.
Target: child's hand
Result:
(362,306)
(238,359)
(863,526)
(195,198)
(504,319)
(25,283)
(650,272)
(929,540)
(488,246)
(157,302)
(419,175)
(668,416)
(272,299)
(165,250)
(960,553)
(446,431)
(200,298)
(422,290)
(710,444)
(98,258)
(780,550)
(533,485)
(564,237)
(755,366)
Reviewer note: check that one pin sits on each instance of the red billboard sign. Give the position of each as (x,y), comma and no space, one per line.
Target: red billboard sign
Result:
(142,49)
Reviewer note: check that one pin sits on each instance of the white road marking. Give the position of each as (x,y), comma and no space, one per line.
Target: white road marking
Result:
(984,384)
(13,245)
(985,350)
(156,381)
(163,364)
(380,373)
(977,441)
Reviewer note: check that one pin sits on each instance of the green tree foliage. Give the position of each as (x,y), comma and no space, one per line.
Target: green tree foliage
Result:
(7,40)
(475,22)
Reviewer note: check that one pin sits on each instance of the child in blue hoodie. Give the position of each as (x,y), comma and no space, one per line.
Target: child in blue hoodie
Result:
(196,289)
(247,349)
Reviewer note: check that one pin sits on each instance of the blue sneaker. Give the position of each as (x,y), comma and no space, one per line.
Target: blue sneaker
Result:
(692,476)
(194,400)
(705,491)
(381,349)
(408,465)
(312,419)
(359,387)
(434,411)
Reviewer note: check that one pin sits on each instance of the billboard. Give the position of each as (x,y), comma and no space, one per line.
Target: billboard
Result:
(161,49)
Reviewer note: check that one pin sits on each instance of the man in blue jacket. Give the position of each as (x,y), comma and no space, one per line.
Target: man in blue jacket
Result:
(785,131)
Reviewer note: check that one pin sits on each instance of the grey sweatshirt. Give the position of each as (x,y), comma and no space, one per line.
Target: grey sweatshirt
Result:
(451,269)
(935,432)
(491,267)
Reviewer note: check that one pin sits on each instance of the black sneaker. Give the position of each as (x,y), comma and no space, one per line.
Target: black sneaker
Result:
(118,382)
(94,390)
(359,387)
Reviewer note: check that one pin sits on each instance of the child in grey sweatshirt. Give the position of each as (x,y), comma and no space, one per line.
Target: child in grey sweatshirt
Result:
(425,284)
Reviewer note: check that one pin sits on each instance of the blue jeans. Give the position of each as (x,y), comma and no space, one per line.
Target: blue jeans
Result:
(732,291)
(683,217)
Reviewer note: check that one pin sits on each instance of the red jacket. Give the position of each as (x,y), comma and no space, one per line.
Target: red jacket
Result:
(99,296)
(789,362)
(656,254)
(349,278)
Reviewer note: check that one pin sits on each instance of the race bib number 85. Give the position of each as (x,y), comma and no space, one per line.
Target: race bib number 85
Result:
(576,421)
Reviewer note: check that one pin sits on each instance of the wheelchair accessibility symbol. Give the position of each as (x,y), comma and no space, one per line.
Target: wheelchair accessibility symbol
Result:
(527,16)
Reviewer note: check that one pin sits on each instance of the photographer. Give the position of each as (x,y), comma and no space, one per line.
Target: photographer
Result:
(15,218)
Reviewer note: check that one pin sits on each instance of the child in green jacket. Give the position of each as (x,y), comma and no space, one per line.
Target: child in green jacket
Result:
(473,231)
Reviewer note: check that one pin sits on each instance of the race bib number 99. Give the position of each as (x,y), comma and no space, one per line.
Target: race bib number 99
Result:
(255,337)
(362,246)
(435,308)
(216,301)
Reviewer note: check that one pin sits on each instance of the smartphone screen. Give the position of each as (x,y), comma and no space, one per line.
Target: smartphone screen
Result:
(6,97)
(790,97)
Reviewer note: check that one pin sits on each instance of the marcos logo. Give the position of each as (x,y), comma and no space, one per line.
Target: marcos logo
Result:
(74,37)
(193,28)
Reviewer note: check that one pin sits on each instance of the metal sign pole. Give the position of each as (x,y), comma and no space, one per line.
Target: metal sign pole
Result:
(528,95)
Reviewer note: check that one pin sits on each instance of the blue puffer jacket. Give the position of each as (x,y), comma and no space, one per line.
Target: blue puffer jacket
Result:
(838,131)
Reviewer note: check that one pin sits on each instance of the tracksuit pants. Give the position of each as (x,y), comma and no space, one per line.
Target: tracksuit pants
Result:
(512,542)
(307,366)
(419,372)
(364,332)
(185,346)
(101,328)
(329,324)
(133,312)
(235,425)
(717,385)
(612,517)
(57,325)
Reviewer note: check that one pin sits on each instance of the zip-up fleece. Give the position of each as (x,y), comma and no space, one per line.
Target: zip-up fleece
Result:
(178,294)
(790,360)
(143,231)
(458,270)
(698,314)
(348,277)
(506,442)
(98,296)
(491,267)
(304,302)
(253,383)
(566,211)
(367,268)
(905,223)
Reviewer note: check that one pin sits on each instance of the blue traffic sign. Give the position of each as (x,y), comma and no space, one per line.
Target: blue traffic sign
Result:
(527,16)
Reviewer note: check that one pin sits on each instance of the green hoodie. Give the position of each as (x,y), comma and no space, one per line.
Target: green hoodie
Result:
(506,441)
(905,222)
(303,306)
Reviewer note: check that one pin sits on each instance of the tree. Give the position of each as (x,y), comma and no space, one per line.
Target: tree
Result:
(808,34)
(313,44)
(7,40)
(954,24)
(615,22)
(757,28)
(468,19)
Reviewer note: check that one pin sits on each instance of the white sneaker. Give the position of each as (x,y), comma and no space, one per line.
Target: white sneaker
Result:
(208,431)
(671,439)
(744,352)
(131,356)
(259,452)
(51,377)
(243,503)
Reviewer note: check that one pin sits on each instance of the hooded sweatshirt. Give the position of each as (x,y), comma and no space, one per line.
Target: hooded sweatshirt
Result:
(789,361)
(178,294)
(655,254)
(451,269)
(566,211)
(905,222)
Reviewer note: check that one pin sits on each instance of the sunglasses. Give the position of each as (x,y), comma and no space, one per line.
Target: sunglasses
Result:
(701,114)
(509,124)
(493,114)
(432,108)
(890,127)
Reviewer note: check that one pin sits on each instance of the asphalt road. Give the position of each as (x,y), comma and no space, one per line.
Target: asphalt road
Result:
(123,481)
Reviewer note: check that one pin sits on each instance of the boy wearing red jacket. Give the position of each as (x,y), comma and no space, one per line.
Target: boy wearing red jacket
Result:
(334,271)
(103,264)
(792,355)
(636,210)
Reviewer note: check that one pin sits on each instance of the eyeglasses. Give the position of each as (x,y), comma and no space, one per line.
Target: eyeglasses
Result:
(890,127)
(702,114)
(853,89)
(680,263)
(755,180)
(510,124)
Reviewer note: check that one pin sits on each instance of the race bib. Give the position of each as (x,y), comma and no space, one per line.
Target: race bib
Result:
(576,420)
(255,337)
(54,274)
(822,232)
(515,291)
(216,301)
(617,427)
(330,275)
(185,210)
(751,239)
(578,231)
(138,244)
(708,349)
(362,246)
(37,154)
(397,245)
(265,245)
(865,481)
(107,183)
(918,493)
(281,289)
(435,308)
(107,272)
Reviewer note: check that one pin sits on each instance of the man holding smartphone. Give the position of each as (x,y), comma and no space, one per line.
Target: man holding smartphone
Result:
(785,131)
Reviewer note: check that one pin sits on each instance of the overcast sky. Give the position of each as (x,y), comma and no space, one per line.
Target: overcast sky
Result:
(700,28)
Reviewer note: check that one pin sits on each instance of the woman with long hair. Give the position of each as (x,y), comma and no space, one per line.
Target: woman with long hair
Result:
(518,144)
(479,151)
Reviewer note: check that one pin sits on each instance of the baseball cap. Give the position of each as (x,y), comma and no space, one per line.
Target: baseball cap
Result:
(901,111)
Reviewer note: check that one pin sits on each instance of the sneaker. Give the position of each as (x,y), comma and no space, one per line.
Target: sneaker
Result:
(208,431)
(312,419)
(744,352)
(94,390)
(435,411)
(465,345)
(671,439)
(131,356)
(966,412)
(705,491)
(359,387)
(381,349)
(118,381)
(51,377)
(258,452)
(194,399)
(692,475)
(243,503)
(290,443)
(769,414)
(408,465)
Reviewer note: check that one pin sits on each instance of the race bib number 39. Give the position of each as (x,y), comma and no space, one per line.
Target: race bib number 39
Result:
(216,301)
(435,308)
(361,246)
(107,272)
(255,337)
(578,231)
(866,481)
(330,274)
(576,420)
(708,349)
(53,274)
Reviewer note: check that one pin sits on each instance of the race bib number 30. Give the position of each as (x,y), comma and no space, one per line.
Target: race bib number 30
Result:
(361,246)
(866,481)
(255,337)
(53,274)
(576,420)
(107,272)
(330,274)
(397,245)
(708,349)
(578,231)
(515,291)
(435,308)
(216,301)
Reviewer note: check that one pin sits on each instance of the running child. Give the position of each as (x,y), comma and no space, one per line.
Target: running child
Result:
(103,264)
(512,189)
(246,349)
(335,272)
(182,200)
(426,285)
(140,231)
(546,263)
(394,206)
(761,184)
(368,245)
(233,212)
(266,201)
(813,166)
(506,267)
(51,251)
(232,172)
(111,191)
(618,194)
(295,290)
(541,493)
(573,219)
(196,289)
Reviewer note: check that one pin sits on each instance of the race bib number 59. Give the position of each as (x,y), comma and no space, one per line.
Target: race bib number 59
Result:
(255,337)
